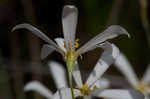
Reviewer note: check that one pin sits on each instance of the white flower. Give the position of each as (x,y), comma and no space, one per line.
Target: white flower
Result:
(125,67)
(69,22)
(90,87)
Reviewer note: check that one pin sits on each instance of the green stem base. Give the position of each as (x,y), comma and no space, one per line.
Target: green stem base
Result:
(70,83)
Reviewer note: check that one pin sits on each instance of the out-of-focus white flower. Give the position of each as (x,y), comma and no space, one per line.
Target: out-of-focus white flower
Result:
(126,69)
(58,73)
(40,88)
(62,93)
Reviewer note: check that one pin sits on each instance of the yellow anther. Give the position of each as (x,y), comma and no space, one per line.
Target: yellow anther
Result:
(85,90)
(76,43)
(64,44)
(95,88)
(142,88)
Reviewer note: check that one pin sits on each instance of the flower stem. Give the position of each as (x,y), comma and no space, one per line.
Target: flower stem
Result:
(70,83)
(70,62)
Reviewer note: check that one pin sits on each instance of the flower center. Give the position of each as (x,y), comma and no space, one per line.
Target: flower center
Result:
(85,90)
(142,88)
(76,43)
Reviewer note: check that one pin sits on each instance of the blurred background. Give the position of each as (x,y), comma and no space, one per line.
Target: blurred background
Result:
(20,50)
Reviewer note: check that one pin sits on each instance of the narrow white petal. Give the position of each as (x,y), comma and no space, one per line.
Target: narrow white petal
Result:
(69,21)
(125,67)
(108,57)
(46,50)
(65,93)
(120,94)
(38,87)
(102,83)
(60,42)
(77,75)
(58,73)
(146,77)
(111,32)
(36,32)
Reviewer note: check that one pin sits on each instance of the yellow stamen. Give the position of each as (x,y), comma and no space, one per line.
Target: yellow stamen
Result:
(142,88)
(95,88)
(76,43)
(64,44)
(85,90)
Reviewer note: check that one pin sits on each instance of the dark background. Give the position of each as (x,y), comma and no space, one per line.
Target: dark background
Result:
(20,50)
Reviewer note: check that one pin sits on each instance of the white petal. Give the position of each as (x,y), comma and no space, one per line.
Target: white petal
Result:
(46,50)
(120,94)
(146,77)
(38,87)
(58,73)
(60,42)
(65,93)
(69,21)
(125,67)
(36,32)
(108,57)
(109,33)
(102,83)
(77,75)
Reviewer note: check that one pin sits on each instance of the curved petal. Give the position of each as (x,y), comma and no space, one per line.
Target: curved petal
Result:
(60,42)
(108,57)
(58,73)
(46,50)
(125,67)
(111,32)
(65,93)
(77,75)
(102,83)
(36,32)
(120,94)
(38,87)
(69,21)
(146,77)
